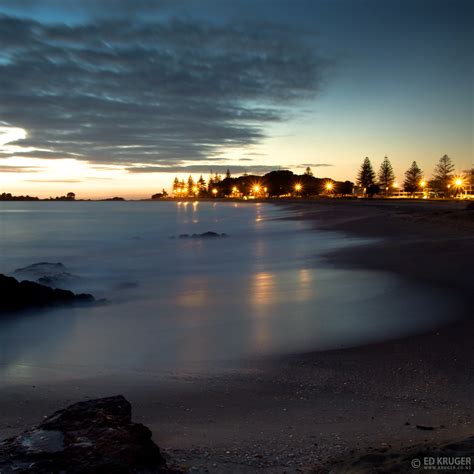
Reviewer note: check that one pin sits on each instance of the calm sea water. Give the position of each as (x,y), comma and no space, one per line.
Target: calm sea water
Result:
(180,303)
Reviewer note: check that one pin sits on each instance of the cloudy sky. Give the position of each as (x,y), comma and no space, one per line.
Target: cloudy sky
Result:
(118,98)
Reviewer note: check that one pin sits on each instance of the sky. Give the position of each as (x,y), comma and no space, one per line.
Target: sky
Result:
(115,98)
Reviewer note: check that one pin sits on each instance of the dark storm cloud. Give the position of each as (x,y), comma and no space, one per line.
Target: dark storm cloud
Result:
(219,168)
(204,169)
(159,92)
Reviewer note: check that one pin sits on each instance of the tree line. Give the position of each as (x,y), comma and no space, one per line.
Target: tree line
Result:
(273,184)
(286,183)
(442,181)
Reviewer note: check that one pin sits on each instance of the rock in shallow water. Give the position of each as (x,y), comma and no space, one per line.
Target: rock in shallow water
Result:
(204,235)
(46,273)
(96,436)
(16,296)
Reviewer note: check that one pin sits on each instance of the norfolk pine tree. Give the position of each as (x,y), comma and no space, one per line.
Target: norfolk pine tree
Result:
(443,174)
(413,178)
(366,176)
(386,175)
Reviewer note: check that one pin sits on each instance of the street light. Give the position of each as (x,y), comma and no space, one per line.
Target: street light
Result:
(214,191)
(298,187)
(329,186)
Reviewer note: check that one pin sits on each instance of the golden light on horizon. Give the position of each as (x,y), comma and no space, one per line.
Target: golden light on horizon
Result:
(256,188)
(395,185)
(329,186)
(422,183)
(298,187)
(458,182)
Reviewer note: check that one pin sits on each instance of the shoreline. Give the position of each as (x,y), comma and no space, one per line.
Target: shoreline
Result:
(304,411)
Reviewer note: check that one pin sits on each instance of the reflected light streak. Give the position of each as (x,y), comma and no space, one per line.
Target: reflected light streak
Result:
(262,288)
(305,279)
(193,293)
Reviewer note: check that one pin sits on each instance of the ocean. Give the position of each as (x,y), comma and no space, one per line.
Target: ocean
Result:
(176,303)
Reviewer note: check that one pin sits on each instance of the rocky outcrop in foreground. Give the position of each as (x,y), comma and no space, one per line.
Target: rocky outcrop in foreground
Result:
(95,436)
(24,295)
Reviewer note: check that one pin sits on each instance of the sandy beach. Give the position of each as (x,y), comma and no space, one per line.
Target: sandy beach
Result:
(303,412)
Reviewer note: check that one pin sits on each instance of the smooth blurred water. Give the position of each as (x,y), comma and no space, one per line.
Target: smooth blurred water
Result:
(180,303)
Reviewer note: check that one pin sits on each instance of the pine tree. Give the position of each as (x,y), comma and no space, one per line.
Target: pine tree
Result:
(201,183)
(227,174)
(386,175)
(366,177)
(308,172)
(175,184)
(210,182)
(443,173)
(413,178)
(190,183)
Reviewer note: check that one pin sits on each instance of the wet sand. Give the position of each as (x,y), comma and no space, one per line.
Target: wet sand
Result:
(305,411)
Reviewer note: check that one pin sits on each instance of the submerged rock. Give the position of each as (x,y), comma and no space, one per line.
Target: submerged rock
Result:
(46,273)
(96,436)
(205,235)
(23,295)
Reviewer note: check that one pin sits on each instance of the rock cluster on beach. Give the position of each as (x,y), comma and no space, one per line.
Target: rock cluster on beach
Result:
(22,295)
(95,436)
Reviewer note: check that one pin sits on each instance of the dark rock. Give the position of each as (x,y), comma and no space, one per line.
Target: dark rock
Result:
(96,436)
(205,235)
(23,295)
(46,273)
(423,427)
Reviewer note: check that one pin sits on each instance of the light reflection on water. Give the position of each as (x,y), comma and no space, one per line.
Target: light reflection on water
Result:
(178,303)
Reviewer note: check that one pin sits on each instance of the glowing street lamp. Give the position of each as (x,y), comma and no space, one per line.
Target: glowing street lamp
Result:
(214,191)
(329,186)
(458,184)
(422,183)
(298,187)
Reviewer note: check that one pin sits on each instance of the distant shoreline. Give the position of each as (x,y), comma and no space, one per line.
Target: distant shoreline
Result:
(292,200)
